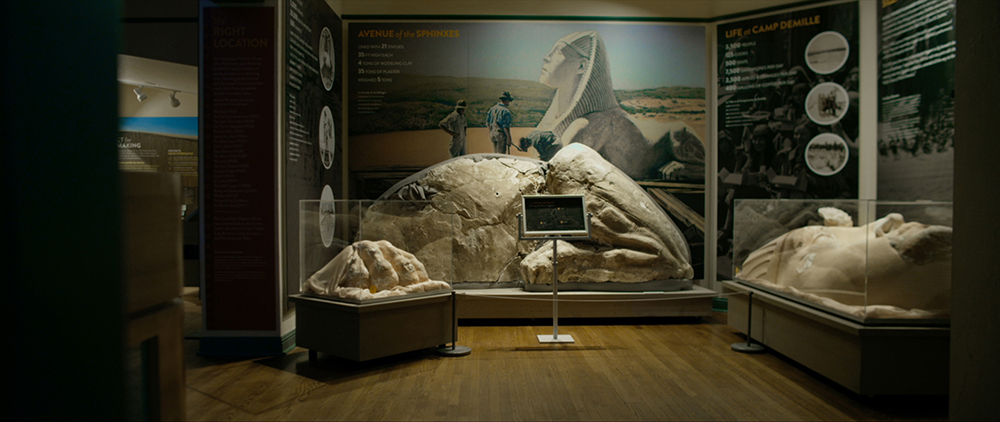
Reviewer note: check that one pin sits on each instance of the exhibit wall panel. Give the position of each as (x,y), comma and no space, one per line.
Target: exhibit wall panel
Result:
(637,97)
(916,125)
(159,133)
(312,120)
(156,152)
(239,194)
(788,100)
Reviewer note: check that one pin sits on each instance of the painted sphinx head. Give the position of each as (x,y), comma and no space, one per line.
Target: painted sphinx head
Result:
(578,67)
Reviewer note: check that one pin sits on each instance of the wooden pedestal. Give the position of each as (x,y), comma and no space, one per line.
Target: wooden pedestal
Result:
(870,360)
(517,303)
(367,331)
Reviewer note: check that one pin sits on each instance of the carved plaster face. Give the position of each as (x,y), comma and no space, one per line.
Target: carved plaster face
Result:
(563,66)
(897,263)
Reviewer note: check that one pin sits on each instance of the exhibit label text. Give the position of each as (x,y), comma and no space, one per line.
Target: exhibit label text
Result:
(773,26)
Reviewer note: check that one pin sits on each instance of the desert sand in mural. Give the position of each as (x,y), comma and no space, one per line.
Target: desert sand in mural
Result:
(691,111)
(423,148)
(420,148)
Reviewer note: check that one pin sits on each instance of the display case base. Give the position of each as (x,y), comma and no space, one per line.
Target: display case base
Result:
(648,286)
(365,331)
(517,303)
(868,360)
(747,347)
(454,351)
(549,338)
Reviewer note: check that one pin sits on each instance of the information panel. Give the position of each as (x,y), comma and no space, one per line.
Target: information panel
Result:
(239,168)
(154,152)
(917,105)
(787,110)
(313,142)
(555,215)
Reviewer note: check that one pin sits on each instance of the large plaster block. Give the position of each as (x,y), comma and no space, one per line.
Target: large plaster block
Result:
(633,239)
(472,219)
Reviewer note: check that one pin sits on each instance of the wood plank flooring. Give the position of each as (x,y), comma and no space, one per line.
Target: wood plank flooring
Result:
(638,369)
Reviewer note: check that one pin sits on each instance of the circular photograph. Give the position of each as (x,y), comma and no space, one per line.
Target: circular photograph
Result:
(327,137)
(326,58)
(827,103)
(827,154)
(827,52)
(327,216)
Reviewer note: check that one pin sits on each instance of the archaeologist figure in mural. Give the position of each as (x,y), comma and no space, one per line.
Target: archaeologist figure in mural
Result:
(499,119)
(454,124)
(546,143)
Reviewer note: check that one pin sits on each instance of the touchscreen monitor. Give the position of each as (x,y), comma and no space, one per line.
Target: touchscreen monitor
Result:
(554,215)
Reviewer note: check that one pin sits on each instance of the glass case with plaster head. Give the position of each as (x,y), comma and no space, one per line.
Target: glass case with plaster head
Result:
(874,262)
(360,250)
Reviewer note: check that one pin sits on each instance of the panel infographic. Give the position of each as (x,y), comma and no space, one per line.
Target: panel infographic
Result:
(787,110)
(239,140)
(157,152)
(313,144)
(916,100)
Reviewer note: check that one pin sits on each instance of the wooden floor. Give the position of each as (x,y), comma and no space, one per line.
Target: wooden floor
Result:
(642,369)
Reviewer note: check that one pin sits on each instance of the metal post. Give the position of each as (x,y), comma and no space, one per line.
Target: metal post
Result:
(454,350)
(555,289)
(555,338)
(750,346)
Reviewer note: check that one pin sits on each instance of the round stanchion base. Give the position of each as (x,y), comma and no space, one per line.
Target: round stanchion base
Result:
(455,351)
(744,347)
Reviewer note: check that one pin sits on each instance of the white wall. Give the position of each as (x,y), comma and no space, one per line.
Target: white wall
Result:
(157,103)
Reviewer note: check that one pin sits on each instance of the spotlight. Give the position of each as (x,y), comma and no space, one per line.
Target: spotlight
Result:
(174,102)
(138,94)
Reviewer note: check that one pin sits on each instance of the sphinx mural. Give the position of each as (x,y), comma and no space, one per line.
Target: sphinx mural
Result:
(585,110)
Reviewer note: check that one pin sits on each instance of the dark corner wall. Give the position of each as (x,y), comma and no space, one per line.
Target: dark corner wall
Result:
(975,323)
(61,211)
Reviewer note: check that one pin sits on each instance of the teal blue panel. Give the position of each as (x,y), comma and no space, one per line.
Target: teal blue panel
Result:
(185,126)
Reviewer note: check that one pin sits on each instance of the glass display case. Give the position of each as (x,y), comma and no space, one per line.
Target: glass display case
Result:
(385,248)
(873,262)
(373,278)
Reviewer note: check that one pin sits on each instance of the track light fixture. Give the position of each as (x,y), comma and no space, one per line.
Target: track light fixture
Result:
(174,102)
(138,94)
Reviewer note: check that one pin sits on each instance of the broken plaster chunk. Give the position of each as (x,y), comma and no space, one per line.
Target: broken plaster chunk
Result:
(834,217)
(371,269)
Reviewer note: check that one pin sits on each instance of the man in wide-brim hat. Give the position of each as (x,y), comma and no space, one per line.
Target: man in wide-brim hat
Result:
(499,119)
(454,125)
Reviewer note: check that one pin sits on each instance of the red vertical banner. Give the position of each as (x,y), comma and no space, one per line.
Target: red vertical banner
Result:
(239,142)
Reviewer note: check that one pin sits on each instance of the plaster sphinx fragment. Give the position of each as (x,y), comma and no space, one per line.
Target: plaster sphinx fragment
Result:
(467,216)
(889,268)
(633,239)
(370,270)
